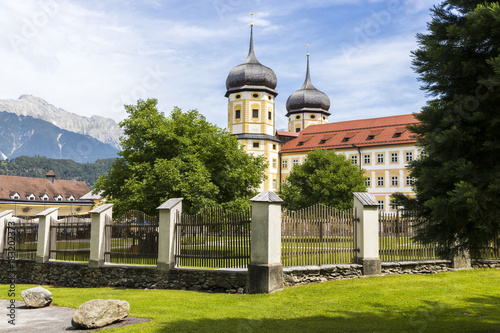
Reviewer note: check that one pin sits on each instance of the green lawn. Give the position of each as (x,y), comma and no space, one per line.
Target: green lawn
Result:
(464,301)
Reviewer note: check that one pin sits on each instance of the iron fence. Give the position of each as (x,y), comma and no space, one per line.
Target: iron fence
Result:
(492,251)
(70,239)
(396,238)
(214,238)
(25,240)
(132,239)
(318,235)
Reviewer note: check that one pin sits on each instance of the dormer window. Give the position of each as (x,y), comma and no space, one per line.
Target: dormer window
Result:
(45,197)
(15,196)
(59,198)
(325,138)
(31,197)
(348,136)
(71,198)
(399,131)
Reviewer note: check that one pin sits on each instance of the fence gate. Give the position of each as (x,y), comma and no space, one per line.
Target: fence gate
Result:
(318,235)
(214,238)
(70,239)
(131,239)
(25,238)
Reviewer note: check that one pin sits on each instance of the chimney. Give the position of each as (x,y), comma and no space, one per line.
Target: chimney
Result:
(51,176)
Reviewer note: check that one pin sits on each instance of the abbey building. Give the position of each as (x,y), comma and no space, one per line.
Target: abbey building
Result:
(381,146)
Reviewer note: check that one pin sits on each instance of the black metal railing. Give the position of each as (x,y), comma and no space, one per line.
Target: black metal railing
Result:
(132,239)
(70,239)
(318,235)
(214,238)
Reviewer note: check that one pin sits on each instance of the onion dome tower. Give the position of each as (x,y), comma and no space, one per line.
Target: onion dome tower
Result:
(307,106)
(251,111)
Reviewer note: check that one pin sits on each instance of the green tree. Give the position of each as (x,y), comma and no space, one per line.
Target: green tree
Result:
(178,156)
(326,177)
(457,178)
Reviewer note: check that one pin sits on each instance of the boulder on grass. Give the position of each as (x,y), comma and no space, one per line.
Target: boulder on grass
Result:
(98,313)
(37,297)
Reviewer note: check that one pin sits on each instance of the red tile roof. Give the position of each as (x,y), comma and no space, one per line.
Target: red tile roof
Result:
(285,133)
(9,185)
(361,133)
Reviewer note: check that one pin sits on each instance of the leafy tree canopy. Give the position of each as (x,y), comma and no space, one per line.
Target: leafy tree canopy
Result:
(178,156)
(326,177)
(457,178)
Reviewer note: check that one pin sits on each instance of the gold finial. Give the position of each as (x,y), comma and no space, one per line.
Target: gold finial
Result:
(307,46)
(251,18)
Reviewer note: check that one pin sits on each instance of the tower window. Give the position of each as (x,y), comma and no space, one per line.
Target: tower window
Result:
(274,146)
(237,96)
(297,130)
(255,95)
(270,98)
(256,144)
(238,114)
(324,117)
(297,117)
(313,116)
(255,113)
(269,115)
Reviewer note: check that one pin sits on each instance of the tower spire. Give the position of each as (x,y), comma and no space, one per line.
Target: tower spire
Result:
(251,58)
(307,83)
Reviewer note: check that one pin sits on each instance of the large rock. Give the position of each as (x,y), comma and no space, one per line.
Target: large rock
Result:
(37,297)
(98,313)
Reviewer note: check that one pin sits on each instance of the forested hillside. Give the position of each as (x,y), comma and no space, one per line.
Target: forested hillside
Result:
(64,169)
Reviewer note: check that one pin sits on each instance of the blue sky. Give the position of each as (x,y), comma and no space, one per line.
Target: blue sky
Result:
(91,57)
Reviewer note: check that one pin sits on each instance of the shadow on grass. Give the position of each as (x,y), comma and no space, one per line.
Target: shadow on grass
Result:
(478,315)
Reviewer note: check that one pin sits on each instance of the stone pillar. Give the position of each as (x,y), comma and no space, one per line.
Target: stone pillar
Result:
(44,218)
(97,231)
(5,217)
(170,211)
(367,233)
(461,261)
(265,271)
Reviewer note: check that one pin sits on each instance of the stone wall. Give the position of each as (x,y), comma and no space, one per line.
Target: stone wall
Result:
(79,275)
(416,267)
(310,274)
(486,263)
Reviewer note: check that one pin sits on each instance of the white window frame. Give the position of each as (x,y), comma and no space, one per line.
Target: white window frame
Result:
(381,204)
(394,157)
(295,161)
(31,197)
(409,156)
(409,181)
(367,159)
(354,159)
(394,181)
(368,182)
(380,181)
(380,158)
(284,164)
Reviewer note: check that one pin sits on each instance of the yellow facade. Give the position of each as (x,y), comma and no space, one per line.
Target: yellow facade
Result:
(383,178)
(252,113)
(297,122)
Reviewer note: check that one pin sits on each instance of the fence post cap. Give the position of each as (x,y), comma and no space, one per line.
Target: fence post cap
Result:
(5,213)
(170,203)
(48,211)
(266,196)
(101,209)
(366,199)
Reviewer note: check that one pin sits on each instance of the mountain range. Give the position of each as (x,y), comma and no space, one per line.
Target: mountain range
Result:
(30,126)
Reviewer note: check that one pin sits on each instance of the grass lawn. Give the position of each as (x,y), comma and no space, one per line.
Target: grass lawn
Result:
(463,301)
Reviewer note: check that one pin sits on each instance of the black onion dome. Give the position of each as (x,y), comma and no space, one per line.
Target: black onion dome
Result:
(308,98)
(251,75)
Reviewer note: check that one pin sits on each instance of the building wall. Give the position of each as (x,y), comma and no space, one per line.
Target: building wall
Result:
(386,169)
(302,120)
(241,120)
